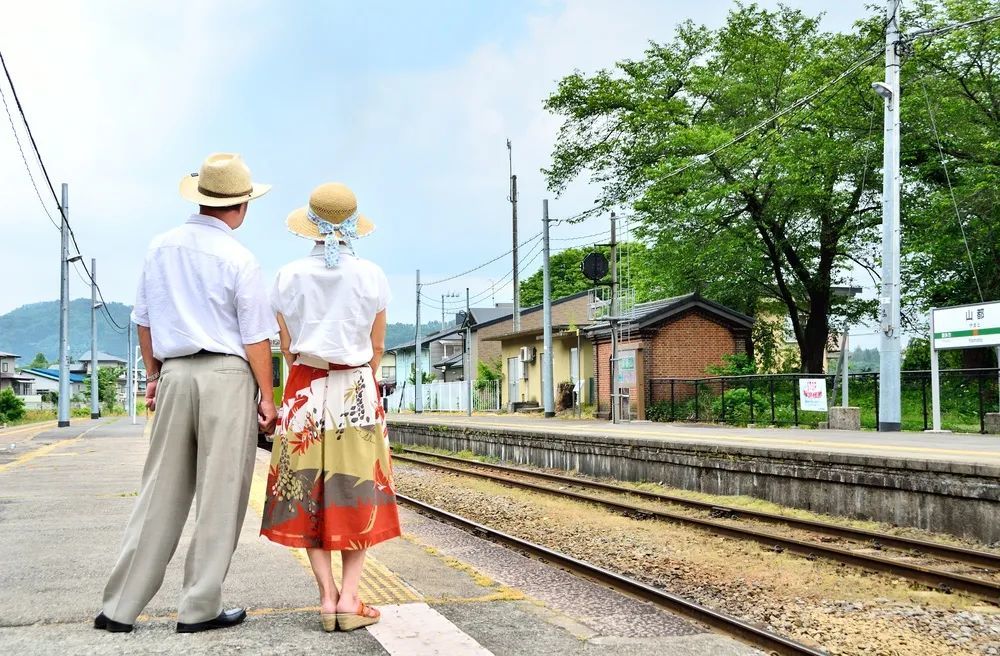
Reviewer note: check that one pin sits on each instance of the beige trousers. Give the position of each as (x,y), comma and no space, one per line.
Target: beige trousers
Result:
(203,444)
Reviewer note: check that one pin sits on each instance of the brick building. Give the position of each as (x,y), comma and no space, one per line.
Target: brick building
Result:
(676,337)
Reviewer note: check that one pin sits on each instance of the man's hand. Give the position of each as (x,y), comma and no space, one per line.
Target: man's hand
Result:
(267,415)
(151,395)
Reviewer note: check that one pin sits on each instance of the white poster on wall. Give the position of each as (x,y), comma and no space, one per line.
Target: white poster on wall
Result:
(812,394)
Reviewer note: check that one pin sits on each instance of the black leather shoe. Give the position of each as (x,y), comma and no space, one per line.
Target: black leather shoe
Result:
(104,624)
(226,619)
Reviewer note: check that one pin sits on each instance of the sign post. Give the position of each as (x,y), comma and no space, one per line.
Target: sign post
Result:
(963,326)
(812,394)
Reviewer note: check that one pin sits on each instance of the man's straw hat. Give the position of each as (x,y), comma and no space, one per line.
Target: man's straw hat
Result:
(224,180)
(332,202)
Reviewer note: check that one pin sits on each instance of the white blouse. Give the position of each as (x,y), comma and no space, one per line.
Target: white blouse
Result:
(330,312)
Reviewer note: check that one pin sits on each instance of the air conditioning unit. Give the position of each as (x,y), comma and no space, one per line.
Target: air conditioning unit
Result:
(527,354)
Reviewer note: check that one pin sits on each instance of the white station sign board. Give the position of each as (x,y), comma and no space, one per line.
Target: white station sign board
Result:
(966,326)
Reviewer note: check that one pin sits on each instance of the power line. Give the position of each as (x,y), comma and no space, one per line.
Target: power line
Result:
(48,180)
(774,117)
(938,31)
(24,158)
(951,191)
(483,265)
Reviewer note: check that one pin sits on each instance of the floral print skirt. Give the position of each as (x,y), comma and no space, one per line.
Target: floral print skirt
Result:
(330,481)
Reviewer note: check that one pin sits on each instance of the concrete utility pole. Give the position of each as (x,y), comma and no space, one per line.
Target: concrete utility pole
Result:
(890,339)
(443,297)
(547,391)
(418,370)
(615,410)
(513,204)
(467,355)
(64,311)
(95,388)
(129,398)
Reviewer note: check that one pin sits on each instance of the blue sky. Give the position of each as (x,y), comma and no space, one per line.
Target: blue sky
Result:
(408,103)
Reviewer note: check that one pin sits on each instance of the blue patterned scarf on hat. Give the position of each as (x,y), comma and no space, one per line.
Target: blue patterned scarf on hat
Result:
(334,234)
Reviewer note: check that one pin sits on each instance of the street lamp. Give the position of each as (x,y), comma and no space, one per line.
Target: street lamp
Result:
(882,89)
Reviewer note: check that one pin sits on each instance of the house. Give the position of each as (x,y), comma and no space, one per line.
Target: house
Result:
(47,380)
(11,379)
(104,361)
(497,343)
(435,348)
(675,337)
(387,367)
(521,352)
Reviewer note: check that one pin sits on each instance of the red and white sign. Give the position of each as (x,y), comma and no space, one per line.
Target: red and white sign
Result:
(812,394)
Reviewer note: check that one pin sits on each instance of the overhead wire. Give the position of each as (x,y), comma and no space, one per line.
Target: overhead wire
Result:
(951,191)
(48,180)
(24,158)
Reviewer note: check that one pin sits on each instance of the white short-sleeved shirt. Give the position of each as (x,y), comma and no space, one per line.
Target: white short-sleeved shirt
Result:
(330,312)
(201,289)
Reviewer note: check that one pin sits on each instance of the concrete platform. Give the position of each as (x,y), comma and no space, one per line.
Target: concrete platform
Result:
(64,500)
(939,482)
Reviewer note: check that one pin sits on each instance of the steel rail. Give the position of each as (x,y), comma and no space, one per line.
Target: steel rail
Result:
(932,578)
(960,554)
(723,622)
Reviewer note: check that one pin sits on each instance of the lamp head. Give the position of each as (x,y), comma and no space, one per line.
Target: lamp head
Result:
(882,89)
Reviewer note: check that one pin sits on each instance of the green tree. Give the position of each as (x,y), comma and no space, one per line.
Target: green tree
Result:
(489,372)
(956,78)
(107,385)
(636,265)
(40,361)
(424,376)
(11,407)
(782,214)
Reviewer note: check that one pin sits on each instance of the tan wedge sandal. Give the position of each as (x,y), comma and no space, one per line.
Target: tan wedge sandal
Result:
(352,621)
(329,621)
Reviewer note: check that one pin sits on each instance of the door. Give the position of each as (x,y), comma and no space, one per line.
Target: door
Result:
(513,369)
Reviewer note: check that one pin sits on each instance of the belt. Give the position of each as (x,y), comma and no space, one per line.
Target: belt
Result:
(202,353)
(320,363)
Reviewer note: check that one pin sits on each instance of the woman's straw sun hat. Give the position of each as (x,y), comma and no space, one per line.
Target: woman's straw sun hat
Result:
(223,180)
(332,203)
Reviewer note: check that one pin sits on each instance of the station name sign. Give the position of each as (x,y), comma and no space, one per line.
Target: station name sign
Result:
(966,326)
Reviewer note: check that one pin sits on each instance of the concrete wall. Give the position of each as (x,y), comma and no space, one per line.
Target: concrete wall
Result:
(960,499)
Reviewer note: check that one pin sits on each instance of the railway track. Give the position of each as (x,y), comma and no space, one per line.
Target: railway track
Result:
(724,623)
(934,578)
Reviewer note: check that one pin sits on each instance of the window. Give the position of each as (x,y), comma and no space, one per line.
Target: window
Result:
(388,373)
(5,367)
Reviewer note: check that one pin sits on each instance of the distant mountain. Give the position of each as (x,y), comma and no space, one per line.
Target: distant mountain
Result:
(400,333)
(34,328)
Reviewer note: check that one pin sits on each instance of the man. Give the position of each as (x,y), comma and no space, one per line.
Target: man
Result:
(204,329)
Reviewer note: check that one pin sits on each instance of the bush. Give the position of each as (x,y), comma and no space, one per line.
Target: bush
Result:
(11,407)
(737,410)
(659,411)
(564,396)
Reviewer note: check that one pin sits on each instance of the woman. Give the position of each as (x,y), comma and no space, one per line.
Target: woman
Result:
(330,486)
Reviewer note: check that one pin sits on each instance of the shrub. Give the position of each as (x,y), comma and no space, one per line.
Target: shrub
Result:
(11,407)
(659,411)
(737,410)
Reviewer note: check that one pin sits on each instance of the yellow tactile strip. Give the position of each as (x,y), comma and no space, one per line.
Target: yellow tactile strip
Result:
(379,585)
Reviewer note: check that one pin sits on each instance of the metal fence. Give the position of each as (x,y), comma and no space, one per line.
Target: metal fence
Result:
(447,397)
(773,399)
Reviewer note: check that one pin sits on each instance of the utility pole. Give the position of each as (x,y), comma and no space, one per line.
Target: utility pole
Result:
(418,369)
(513,203)
(443,297)
(467,355)
(547,391)
(615,410)
(890,342)
(64,311)
(130,356)
(95,388)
